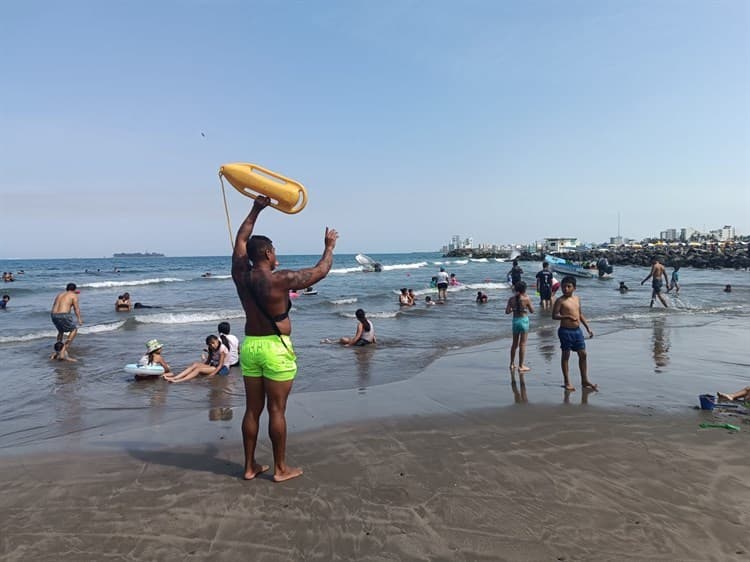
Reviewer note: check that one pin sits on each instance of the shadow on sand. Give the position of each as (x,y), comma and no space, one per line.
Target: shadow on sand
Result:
(206,461)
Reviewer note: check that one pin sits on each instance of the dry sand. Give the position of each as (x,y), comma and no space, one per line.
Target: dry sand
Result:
(517,483)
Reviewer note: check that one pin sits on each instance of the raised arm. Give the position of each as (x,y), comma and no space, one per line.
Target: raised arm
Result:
(309,276)
(240,262)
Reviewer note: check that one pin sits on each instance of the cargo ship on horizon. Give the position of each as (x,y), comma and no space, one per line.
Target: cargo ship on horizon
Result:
(138,255)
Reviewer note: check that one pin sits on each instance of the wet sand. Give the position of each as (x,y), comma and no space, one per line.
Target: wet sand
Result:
(455,464)
(535,483)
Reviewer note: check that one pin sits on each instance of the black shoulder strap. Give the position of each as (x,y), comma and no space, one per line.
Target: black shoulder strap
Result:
(265,313)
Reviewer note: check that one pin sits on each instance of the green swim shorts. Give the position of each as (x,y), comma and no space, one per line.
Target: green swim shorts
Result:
(266,356)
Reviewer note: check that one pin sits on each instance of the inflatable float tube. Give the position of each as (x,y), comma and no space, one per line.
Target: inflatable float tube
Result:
(144,371)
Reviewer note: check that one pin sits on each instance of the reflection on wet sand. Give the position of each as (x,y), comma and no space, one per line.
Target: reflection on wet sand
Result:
(220,399)
(584,392)
(155,390)
(519,393)
(363,357)
(661,344)
(68,405)
(547,342)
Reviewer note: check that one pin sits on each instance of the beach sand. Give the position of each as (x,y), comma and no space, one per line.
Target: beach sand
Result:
(535,483)
(451,465)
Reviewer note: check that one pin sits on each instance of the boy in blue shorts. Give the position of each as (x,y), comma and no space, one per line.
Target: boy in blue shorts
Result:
(567,310)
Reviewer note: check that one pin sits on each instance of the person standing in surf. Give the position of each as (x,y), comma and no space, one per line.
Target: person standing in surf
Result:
(544,281)
(442,284)
(656,274)
(267,357)
(62,315)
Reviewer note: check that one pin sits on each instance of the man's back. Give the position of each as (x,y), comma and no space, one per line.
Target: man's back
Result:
(545,278)
(64,302)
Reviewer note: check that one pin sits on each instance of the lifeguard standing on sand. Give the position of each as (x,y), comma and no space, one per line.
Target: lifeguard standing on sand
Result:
(266,355)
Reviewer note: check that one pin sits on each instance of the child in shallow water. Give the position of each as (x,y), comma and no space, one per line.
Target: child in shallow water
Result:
(61,353)
(153,357)
(215,362)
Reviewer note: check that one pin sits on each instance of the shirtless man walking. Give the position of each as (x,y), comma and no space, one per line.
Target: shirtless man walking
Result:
(267,358)
(62,317)
(657,272)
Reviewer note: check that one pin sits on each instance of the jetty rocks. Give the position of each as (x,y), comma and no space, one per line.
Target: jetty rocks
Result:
(736,256)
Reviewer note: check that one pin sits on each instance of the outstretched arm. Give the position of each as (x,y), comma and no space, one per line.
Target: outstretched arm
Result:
(309,276)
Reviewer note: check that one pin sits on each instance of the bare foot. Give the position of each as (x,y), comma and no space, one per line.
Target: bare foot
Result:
(590,386)
(288,474)
(524,369)
(512,367)
(723,396)
(569,387)
(257,469)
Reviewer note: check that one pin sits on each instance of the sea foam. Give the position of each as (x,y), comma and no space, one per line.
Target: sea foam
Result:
(131,283)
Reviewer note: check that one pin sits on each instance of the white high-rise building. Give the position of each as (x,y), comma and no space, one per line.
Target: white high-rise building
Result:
(727,233)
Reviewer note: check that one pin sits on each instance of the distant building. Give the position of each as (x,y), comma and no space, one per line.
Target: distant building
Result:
(560,244)
(668,235)
(727,232)
(686,234)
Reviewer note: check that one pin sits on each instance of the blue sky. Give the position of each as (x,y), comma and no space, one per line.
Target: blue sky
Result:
(408,122)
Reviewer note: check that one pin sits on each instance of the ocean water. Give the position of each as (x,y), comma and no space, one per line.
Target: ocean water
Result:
(43,400)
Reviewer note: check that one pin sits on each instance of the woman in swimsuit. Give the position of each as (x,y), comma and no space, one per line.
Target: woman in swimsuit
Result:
(365,334)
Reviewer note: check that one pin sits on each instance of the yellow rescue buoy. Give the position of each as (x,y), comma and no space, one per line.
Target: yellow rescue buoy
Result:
(251,180)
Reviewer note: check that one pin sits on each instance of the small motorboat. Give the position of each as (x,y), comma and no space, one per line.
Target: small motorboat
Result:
(367,263)
(564,267)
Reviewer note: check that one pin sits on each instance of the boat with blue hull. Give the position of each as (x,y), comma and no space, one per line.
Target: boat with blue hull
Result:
(564,267)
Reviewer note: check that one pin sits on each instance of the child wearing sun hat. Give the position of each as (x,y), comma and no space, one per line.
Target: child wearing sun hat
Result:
(153,355)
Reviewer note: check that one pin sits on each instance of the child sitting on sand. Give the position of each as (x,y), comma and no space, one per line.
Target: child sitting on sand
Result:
(567,310)
(519,304)
(215,362)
